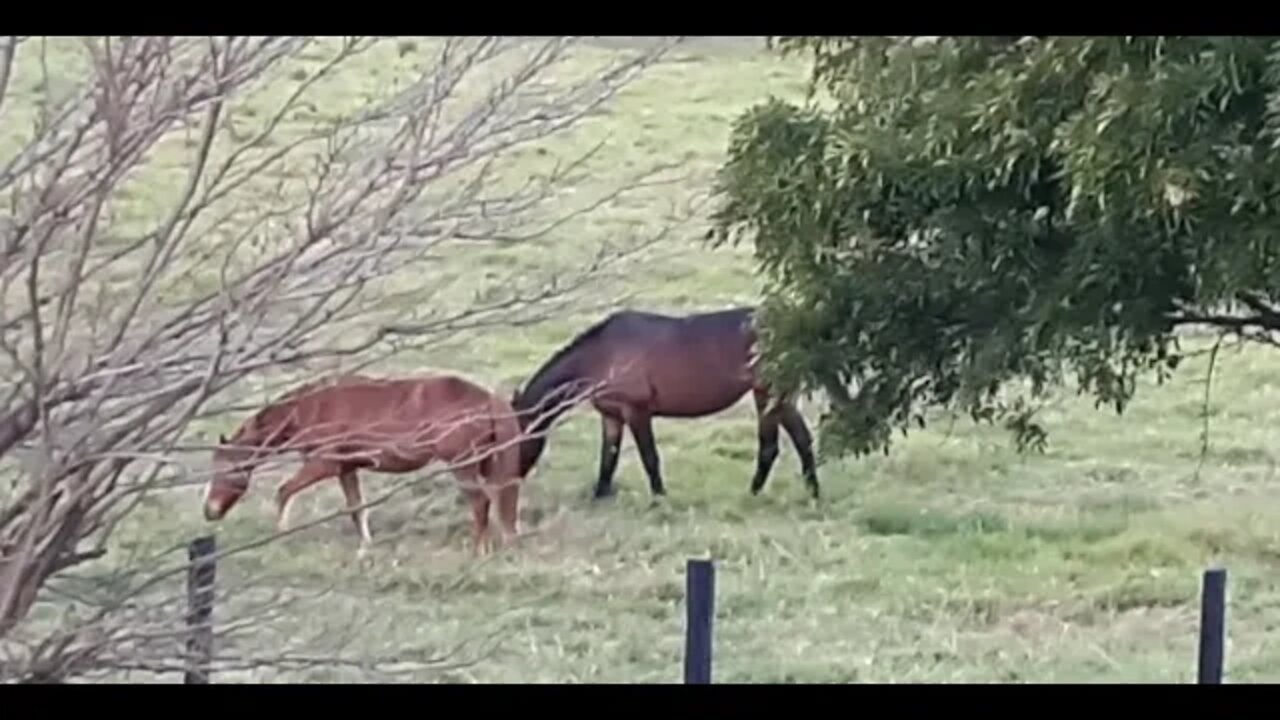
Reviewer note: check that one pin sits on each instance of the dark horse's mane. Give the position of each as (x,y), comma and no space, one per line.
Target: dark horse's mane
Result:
(589,334)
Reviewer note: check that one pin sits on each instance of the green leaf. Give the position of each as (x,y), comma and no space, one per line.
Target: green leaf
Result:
(972,220)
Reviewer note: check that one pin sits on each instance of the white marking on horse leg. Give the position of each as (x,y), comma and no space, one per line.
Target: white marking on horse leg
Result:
(282,519)
(366,538)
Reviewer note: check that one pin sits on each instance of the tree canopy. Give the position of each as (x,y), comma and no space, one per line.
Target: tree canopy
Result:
(946,217)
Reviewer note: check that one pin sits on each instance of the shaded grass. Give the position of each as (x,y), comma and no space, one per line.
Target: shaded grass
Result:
(952,559)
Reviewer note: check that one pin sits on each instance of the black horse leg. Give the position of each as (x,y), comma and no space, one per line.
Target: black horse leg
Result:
(793,422)
(642,430)
(766,443)
(610,443)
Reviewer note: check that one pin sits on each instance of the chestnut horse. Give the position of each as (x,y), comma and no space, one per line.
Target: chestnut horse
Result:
(646,365)
(355,422)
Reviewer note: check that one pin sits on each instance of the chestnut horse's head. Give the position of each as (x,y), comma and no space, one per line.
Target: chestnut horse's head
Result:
(230,479)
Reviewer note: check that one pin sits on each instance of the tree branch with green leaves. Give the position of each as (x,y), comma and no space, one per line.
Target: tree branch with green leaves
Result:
(965,223)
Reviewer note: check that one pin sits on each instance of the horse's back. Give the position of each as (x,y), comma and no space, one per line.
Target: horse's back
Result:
(728,318)
(678,365)
(724,333)
(359,402)
(395,424)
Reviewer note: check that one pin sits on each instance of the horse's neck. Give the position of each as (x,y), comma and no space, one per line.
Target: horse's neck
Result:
(554,395)
(267,430)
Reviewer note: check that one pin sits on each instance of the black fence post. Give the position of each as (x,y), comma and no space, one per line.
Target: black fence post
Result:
(1213,610)
(700,587)
(201,574)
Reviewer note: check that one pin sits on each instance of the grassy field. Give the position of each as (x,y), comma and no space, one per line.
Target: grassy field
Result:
(951,560)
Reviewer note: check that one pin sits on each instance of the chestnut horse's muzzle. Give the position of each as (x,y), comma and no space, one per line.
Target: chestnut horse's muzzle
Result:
(212,511)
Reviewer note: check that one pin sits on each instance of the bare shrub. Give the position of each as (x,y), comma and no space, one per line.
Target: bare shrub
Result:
(184,214)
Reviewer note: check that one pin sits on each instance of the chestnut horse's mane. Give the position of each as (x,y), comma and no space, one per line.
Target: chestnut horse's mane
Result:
(266,416)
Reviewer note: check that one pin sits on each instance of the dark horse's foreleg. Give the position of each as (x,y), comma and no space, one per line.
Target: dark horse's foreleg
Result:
(642,430)
(610,444)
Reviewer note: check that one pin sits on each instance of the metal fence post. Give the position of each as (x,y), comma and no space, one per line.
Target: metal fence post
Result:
(700,603)
(1213,610)
(201,574)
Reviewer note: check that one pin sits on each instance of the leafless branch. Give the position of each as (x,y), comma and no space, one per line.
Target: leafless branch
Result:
(148,275)
(6,65)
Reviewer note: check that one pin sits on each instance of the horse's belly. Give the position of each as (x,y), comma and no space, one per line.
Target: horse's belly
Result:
(397,442)
(389,452)
(692,408)
(692,401)
(398,463)
(695,390)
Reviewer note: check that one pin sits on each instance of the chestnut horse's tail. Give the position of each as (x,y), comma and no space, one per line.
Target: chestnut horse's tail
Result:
(502,463)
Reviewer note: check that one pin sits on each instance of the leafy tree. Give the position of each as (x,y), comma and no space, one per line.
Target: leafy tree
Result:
(191,224)
(956,215)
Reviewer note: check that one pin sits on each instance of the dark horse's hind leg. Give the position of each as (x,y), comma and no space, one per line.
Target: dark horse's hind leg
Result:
(792,421)
(642,430)
(766,442)
(610,444)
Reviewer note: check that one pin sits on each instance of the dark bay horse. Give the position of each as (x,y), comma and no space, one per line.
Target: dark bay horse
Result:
(644,365)
(355,422)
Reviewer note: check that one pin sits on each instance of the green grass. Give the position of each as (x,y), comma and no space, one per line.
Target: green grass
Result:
(952,559)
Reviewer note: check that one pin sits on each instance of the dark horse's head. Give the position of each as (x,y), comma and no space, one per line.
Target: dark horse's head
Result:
(530,447)
(551,391)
